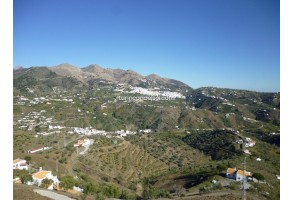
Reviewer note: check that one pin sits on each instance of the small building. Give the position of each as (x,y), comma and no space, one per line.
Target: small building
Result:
(249,142)
(238,175)
(20,164)
(82,143)
(35,150)
(231,173)
(39,176)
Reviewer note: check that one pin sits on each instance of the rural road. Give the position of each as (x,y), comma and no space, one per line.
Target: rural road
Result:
(52,195)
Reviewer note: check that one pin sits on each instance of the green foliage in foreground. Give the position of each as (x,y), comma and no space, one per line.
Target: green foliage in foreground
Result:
(23,175)
(67,182)
(101,191)
(46,183)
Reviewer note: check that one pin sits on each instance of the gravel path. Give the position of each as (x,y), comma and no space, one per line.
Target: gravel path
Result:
(52,195)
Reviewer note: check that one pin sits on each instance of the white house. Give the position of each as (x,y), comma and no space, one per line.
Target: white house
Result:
(20,164)
(83,142)
(238,174)
(39,176)
(38,149)
(249,142)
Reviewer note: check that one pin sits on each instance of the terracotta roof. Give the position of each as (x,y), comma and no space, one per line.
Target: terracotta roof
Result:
(241,172)
(41,174)
(231,170)
(18,160)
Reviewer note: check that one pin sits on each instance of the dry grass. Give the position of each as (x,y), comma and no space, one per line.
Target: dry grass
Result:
(25,192)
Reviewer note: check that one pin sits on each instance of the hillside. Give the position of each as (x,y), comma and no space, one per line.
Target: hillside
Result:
(173,143)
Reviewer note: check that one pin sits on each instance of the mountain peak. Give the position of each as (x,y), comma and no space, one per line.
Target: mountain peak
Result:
(153,77)
(67,70)
(93,68)
(64,66)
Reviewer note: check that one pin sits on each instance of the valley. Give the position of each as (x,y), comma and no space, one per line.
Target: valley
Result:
(78,127)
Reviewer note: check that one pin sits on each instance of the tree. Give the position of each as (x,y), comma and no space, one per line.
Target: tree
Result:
(37,129)
(258,176)
(67,182)
(221,167)
(112,191)
(28,159)
(148,193)
(25,177)
(99,196)
(127,196)
(46,183)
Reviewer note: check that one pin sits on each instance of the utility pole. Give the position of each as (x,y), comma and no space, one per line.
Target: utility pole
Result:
(244,179)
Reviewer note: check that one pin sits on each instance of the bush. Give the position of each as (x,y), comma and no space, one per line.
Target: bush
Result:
(218,186)
(24,178)
(104,178)
(258,176)
(127,196)
(23,175)
(111,191)
(46,183)
(153,193)
(67,182)
(203,190)
(99,196)
(234,185)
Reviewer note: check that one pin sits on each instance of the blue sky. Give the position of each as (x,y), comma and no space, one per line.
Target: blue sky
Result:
(221,43)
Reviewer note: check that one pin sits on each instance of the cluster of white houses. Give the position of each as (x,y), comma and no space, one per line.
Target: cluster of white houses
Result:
(92,131)
(36,100)
(155,92)
(24,100)
(88,131)
(33,119)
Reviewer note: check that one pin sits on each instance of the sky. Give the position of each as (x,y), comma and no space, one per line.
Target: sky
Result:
(220,43)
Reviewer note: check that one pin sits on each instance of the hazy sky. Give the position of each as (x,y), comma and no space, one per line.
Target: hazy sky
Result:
(221,43)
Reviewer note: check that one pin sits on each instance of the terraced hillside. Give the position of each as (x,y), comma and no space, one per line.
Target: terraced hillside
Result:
(170,149)
(122,162)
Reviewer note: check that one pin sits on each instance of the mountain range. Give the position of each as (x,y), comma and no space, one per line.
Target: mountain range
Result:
(94,72)
(205,107)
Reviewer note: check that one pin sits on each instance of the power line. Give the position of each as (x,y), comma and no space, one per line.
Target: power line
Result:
(244,179)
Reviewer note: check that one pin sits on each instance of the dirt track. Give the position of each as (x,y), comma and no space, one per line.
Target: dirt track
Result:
(52,195)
